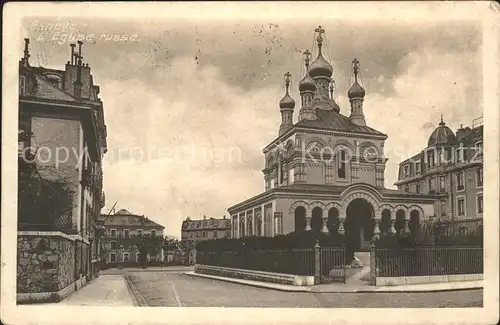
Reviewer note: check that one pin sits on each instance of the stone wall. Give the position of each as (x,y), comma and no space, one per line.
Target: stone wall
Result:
(45,263)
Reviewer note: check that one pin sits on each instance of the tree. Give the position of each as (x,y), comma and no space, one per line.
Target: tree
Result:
(46,198)
(148,244)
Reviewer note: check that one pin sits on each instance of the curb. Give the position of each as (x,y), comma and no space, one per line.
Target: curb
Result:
(311,290)
(137,299)
(247,283)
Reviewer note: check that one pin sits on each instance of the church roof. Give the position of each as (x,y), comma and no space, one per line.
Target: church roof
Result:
(331,120)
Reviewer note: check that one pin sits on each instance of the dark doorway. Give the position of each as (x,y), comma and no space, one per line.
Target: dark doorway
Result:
(359,225)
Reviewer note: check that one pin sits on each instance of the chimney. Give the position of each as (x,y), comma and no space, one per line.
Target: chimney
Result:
(204,217)
(26,52)
(78,83)
(72,52)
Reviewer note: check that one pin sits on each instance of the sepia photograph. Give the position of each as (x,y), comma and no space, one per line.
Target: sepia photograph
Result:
(323,160)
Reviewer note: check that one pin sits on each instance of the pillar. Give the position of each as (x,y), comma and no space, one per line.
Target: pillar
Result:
(325,220)
(392,230)
(376,231)
(373,264)
(341,229)
(263,220)
(308,221)
(407,225)
(317,263)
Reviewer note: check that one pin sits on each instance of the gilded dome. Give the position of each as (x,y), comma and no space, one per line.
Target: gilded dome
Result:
(320,67)
(287,102)
(307,83)
(442,135)
(356,91)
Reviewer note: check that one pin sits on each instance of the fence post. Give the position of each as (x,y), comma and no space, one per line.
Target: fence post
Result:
(373,264)
(317,263)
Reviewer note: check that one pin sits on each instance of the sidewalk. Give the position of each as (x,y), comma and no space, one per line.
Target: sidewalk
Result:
(105,290)
(356,287)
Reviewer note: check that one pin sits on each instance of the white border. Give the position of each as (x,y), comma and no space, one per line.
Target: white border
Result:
(250,11)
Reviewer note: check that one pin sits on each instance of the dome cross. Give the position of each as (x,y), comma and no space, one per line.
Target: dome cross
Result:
(288,76)
(355,68)
(307,57)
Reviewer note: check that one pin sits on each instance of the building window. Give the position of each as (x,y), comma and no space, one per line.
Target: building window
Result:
(113,233)
(342,164)
(215,234)
(278,223)
(479,177)
(432,187)
(418,188)
(430,158)
(480,203)
(460,181)
(126,257)
(461,206)
(153,233)
(235,226)
(204,224)
(407,189)
(139,232)
(442,183)
(112,257)
(282,173)
(203,234)
(126,233)
(417,167)
(242,225)
(22,85)
(479,148)
(407,170)
(113,245)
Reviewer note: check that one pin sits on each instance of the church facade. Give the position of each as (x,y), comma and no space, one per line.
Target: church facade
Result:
(326,171)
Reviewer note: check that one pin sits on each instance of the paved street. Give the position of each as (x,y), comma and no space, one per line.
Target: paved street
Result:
(175,289)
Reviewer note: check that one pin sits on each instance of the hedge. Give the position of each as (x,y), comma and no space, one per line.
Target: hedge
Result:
(302,239)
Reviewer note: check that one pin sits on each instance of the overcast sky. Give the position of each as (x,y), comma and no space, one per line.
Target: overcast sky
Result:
(214,87)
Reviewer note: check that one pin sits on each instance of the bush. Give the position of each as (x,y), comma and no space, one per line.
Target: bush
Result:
(430,236)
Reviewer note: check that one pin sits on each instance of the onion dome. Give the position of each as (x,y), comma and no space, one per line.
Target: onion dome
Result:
(307,83)
(442,135)
(320,67)
(287,101)
(356,91)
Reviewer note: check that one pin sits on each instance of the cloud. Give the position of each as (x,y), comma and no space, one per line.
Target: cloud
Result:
(200,139)
(201,99)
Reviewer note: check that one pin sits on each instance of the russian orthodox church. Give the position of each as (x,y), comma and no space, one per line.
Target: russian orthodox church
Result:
(325,172)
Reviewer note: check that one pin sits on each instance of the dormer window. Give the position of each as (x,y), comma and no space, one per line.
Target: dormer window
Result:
(417,167)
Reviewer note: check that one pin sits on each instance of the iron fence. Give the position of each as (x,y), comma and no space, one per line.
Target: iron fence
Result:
(426,261)
(332,263)
(292,261)
(330,266)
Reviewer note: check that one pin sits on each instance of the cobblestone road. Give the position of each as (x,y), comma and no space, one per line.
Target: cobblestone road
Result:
(174,289)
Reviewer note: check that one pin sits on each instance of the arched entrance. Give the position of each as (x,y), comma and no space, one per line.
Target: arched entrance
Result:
(359,225)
